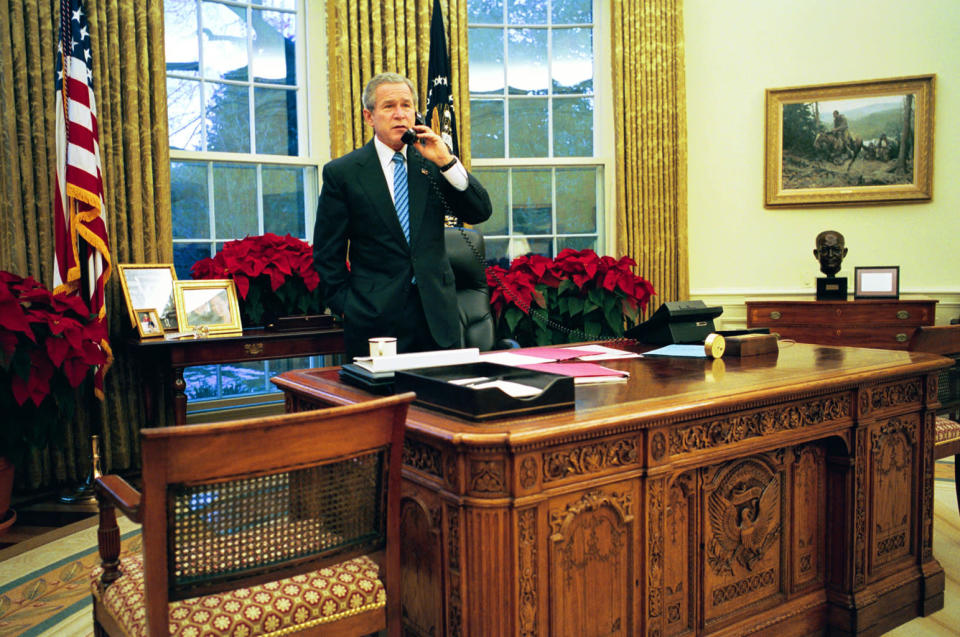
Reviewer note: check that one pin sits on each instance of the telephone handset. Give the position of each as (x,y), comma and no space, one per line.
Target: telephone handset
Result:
(410,135)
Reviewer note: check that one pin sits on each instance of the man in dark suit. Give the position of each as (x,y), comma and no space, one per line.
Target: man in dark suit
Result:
(386,200)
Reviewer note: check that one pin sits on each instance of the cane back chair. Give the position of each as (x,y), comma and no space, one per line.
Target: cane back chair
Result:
(281,525)
(945,340)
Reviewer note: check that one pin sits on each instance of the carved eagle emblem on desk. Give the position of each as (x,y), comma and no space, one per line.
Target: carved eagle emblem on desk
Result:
(744,524)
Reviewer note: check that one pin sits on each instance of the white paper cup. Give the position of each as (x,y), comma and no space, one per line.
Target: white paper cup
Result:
(383,346)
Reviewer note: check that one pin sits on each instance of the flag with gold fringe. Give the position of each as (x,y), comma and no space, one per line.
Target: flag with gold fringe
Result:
(81,247)
(440,116)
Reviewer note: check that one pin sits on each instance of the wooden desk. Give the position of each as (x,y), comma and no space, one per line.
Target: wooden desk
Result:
(883,323)
(166,360)
(789,494)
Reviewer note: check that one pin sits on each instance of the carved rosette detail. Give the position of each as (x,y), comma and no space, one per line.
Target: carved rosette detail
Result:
(933,387)
(528,572)
(528,472)
(655,518)
(589,459)
(487,476)
(737,427)
(860,512)
(658,445)
(422,457)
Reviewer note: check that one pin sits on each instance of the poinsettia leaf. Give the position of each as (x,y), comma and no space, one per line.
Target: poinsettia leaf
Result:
(512,316)
(575,305)
(592,329)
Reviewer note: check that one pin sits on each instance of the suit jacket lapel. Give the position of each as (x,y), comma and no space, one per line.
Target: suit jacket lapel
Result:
(375,185)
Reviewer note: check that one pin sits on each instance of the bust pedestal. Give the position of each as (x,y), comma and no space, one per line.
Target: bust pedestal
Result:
(832,288)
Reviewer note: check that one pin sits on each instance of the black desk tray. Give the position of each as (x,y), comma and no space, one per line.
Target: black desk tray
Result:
(434,390)
(359,377)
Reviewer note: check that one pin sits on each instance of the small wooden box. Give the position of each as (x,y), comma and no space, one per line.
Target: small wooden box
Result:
(751,344)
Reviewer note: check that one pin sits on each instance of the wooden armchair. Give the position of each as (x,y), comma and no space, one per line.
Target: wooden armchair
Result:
(286,525)
(945,340)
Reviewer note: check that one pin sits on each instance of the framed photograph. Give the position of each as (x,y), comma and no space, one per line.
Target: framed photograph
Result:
(877,282)
(208,303)
(150,285)
(851,143)
(148,323)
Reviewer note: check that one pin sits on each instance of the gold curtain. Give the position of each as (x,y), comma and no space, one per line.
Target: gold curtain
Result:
(366,37)
(130,91)
(651,146)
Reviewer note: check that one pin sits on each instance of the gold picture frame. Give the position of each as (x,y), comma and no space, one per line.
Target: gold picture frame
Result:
(208,304)
(815,158)
(148,323)
(150,285)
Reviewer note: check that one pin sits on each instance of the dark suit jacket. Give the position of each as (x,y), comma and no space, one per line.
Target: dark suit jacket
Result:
(355,206)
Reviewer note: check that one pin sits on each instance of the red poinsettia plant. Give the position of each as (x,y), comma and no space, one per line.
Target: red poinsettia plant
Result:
(49,343)
(274,276)
(574,297)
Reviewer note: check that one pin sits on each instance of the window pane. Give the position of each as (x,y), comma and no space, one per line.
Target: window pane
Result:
(277,4)
(497,252)
(486,61)
(495,181)
(572,11)
(274,47)
(228,118)
(542,246)
(531,201)
(237,379)
(572,65)
(485,11)
(576,243)
(573,127)
(235,201)
(183,114)
(202,382)
(528,128)
(186,254)
(189,202)
(527,72)
(576,200)
(486,128)
(283,211)
(276,121)
(527,11)
(224,41)
(181,46)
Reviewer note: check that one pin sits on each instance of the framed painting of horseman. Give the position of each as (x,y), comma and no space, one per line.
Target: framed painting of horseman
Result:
(850,143)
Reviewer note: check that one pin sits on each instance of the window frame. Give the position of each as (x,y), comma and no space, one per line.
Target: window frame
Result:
(603,147)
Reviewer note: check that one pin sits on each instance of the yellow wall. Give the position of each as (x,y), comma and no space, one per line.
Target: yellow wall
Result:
(737,49)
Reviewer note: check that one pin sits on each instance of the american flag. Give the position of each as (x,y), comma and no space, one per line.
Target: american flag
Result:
(78,204)
(440,116)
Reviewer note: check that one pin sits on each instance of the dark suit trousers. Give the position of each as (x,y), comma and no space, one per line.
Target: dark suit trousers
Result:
(410,329)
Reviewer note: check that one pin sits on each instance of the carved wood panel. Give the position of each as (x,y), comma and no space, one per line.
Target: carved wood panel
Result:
(421,562)
(592,568)
(893,449)
(743,531)
(808,481)
(679,566)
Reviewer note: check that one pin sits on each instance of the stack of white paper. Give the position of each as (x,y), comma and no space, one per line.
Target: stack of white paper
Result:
(417,360)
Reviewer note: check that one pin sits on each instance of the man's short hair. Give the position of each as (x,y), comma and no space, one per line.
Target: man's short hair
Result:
(370,90)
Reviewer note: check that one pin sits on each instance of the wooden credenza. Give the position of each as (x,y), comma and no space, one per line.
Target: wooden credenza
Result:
(886,324)
(784,494)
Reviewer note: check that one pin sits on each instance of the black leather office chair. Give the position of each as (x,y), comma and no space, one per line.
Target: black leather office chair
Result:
(473,296)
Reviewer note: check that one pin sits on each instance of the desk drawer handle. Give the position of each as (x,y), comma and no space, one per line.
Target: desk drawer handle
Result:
(901,337)
(775,315)
(253,349)
(903,315)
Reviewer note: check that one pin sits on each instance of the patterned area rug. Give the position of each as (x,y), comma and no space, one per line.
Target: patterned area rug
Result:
(45,592)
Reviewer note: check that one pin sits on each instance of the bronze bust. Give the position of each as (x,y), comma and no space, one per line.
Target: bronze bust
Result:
(830,251)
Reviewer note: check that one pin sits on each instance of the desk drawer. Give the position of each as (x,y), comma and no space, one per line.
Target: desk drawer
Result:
(842,313)
(879,337)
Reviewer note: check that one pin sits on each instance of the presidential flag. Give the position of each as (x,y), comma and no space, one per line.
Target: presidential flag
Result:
(81,250)
(440,115)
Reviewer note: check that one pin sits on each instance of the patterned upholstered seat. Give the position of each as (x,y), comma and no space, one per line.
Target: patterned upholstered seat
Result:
(276,526)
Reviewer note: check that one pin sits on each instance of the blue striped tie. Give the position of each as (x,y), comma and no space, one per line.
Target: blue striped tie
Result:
(400,199)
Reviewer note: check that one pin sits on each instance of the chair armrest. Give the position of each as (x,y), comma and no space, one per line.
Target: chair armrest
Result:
(117,492)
